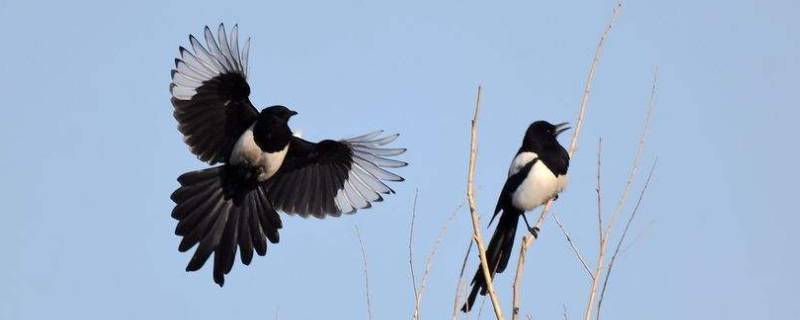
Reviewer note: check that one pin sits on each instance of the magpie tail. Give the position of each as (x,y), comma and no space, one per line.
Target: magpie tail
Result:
(497,254)
(216,213)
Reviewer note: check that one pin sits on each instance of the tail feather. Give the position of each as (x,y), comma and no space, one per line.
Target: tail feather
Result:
(497,254)
(217,214)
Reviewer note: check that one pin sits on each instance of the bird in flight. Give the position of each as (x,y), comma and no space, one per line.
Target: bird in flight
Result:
(262,167)
(537,174)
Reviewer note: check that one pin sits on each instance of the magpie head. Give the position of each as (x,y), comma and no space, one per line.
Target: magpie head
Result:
(277,113)
(542,133)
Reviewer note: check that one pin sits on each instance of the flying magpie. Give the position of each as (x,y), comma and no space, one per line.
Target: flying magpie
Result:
(262,167)
(537,174)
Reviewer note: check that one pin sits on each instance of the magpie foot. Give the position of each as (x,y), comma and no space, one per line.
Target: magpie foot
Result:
(534,231)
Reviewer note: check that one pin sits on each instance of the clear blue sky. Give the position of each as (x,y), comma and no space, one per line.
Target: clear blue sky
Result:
(90,152)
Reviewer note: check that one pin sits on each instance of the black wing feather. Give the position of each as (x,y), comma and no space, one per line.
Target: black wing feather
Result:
(333,177)
(210,96)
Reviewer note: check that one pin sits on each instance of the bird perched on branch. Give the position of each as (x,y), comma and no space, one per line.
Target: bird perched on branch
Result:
(263,168)
(537,174)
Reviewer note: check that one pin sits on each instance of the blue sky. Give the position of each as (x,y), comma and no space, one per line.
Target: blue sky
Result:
(90,153)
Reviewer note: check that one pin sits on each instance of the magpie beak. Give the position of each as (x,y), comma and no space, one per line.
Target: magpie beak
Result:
(561,127)
(292,113)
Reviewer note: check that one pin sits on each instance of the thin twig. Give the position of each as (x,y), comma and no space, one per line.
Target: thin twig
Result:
(528,241)
(429,261)
(411,251)
(622,237)
(518,281)
(459,286)
(480,310)
(596,281)
(564,313)
(473,208)
(638,237)
(572,245)
(639,151)
(366,274)
(602,237)
(597,189)
(634,170)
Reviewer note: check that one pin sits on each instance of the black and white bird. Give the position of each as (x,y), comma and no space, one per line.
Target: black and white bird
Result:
(537,174)
(262,167)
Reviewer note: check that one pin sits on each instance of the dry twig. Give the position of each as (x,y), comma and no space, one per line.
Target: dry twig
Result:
(572,245)
(621,204)
(573,146)
(429,261)
(603,237)
(622,237)
(461,284)
(366,274)
(638,157)
(518,281)
(473,208)
(411,251)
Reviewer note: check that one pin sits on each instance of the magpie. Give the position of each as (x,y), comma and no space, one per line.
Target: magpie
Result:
(261,167)
(537,174)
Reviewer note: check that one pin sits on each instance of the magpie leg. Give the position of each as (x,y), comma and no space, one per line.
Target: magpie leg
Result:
(533,230)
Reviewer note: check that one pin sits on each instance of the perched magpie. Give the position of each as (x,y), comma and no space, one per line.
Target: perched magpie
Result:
(537,174)
(263,166)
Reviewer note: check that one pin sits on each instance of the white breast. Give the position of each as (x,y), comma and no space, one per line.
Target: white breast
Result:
(247,152)
(539,186)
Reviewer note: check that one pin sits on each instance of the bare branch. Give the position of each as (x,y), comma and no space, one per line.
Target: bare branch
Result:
(638,237)
(473,208)
(573,145)
(564,313)
(459,285)
(628,183)
(572,245)
(598,190)
(518,280)
(366,274)
(528,241)
(480,310)
(602,237)
(622,237)
(595,282)
(637,158)
(411,252)
(429,260)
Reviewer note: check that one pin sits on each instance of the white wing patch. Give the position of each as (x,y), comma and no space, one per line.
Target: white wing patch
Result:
(520,161)
(363,184)
(217,57)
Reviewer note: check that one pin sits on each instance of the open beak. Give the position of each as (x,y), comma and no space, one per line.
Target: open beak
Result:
(561,127)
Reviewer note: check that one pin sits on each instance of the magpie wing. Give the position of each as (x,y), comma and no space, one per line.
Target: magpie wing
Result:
(210,94)
(334,177)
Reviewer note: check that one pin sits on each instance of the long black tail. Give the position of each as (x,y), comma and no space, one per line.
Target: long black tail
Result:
(497,254)
(219,211)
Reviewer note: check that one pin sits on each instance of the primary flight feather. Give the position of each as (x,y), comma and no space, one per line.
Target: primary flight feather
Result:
(262,167)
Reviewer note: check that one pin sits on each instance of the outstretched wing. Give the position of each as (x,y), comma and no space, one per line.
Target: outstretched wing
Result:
(210,94)
(334,177)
